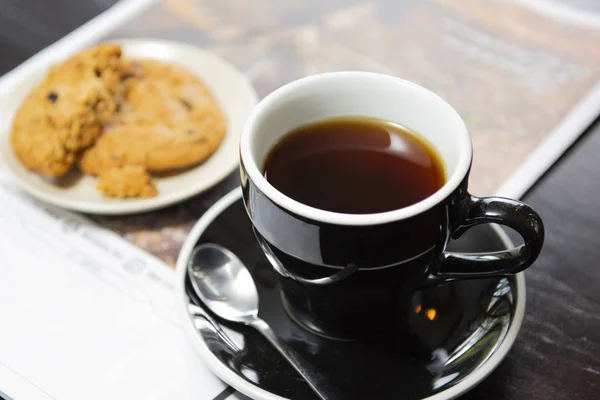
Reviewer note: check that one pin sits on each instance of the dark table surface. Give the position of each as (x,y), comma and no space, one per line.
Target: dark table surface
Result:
(557,353)
(27,26)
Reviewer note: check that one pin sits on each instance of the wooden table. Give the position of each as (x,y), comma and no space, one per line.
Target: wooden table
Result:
(557,354)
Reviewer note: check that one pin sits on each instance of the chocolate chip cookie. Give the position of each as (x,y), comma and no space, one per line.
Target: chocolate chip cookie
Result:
(65,113)
(166,119)
(127,181)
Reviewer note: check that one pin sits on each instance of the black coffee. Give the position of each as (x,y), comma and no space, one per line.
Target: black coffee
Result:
(354,165)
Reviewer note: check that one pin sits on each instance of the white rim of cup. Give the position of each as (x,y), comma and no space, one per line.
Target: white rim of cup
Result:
(254,173)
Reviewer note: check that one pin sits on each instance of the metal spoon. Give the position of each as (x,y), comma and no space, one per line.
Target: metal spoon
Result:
(225,285)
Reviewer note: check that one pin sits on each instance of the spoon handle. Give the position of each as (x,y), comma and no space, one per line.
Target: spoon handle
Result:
(316,382)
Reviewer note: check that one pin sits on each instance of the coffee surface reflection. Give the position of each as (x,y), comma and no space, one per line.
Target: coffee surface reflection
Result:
(354,165)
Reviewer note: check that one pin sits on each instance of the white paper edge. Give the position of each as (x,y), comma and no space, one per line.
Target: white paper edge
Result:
(14,383)
(553,146)
(562,12)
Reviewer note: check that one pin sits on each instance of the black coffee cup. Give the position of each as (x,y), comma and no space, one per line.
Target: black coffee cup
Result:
(338,270)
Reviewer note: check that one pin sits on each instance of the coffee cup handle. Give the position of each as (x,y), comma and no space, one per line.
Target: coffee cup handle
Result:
(512,213)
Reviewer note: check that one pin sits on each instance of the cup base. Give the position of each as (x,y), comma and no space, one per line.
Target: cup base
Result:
(307,325)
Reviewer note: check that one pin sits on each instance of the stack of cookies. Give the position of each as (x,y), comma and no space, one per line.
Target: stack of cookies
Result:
(118,119)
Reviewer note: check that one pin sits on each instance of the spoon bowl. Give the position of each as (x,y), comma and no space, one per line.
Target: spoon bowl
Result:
(223,283)
(225,286)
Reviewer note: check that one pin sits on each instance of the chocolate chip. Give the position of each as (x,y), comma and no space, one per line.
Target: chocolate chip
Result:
(126,76)
(118,107)
(98,72)
(186,104)
(52,96)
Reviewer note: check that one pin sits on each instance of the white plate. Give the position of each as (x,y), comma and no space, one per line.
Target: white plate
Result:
(232,91)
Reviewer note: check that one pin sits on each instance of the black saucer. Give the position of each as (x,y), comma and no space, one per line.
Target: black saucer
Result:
(459,333)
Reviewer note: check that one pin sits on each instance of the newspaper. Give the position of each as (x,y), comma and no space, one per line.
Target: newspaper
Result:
(86,315)
(511,71)
(514,72)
